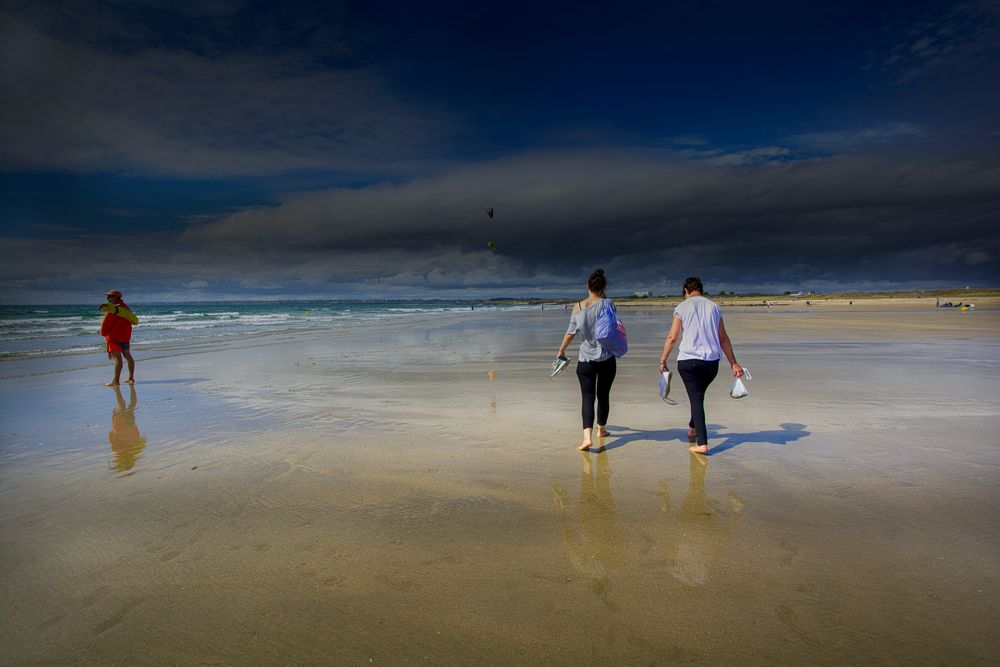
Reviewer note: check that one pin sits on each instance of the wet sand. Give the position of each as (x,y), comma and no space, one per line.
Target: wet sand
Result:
(413,496)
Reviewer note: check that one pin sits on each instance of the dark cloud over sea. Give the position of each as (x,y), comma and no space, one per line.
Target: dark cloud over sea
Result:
(236,150)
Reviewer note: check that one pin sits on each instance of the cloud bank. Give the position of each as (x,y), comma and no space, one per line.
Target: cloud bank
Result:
(649,218)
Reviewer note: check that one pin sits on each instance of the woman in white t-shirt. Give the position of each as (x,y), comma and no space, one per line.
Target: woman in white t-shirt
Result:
(698,323)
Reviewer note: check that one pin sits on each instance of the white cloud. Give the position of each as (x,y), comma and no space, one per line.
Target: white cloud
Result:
(841,140)
(952,36)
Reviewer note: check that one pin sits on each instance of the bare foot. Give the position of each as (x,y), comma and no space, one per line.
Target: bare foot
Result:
(603,433)
(698,449)
(585,446)
(130,381)
(110,384)
(692,433)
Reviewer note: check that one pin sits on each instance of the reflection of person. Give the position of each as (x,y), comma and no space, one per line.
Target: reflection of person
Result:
(698,323)
(117,331)
(697,543)
(597,548)
(126,441)
(596,367)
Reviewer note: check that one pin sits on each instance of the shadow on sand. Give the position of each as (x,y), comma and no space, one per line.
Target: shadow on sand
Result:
(786,433)
(623,435)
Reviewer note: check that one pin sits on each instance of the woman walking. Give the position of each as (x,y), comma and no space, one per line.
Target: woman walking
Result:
(596,368)
(698,323)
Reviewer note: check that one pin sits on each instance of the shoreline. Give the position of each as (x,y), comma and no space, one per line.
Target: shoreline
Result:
(988,299)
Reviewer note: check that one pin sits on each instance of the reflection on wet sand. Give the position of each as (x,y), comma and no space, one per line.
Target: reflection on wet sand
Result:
(698,534)
(593,540)
(126,441)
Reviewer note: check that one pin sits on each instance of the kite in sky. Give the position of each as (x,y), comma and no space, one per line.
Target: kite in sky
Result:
(490,244)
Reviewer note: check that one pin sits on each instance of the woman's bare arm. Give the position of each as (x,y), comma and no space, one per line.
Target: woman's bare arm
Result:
(727,349)
(668,344)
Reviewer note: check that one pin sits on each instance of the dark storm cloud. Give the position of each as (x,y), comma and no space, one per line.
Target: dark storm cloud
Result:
(751,219)
(118,102)
(897,215)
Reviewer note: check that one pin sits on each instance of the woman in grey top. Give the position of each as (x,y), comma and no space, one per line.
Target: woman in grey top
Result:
(596,368)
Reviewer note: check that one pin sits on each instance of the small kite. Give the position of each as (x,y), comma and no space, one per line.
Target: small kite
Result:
(492,246)
(489,211)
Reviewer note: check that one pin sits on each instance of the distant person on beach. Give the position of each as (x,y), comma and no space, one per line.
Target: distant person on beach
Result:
(117,331)
(597,367)
(698,323)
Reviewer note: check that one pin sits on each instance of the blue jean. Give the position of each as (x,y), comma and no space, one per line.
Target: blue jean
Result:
(697,375)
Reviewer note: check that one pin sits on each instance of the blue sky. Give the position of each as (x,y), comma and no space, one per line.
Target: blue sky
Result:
(229,149)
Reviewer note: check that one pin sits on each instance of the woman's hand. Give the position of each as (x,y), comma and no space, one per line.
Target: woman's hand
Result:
(737,370)
(663,364)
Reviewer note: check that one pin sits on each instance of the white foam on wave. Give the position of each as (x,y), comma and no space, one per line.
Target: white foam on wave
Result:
(46,321)
(34,334)
(71,334)
(28,354)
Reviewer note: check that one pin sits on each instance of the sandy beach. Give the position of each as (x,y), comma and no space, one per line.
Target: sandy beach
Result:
(402,495)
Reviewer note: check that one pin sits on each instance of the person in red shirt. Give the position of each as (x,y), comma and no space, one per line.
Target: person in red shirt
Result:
(117,331)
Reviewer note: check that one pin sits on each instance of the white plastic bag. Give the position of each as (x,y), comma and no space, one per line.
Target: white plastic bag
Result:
(739,388)
(665,384)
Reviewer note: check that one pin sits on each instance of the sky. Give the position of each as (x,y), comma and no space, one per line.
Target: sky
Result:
(226,149)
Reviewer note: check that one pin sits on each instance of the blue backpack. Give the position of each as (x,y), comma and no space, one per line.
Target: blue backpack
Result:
(609,330)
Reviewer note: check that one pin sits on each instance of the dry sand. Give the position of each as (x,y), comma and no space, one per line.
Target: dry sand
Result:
(412,496)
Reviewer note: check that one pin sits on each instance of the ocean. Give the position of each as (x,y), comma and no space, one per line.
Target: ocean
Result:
(45,331)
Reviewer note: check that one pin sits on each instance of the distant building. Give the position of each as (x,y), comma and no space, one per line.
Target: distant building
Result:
(641,295)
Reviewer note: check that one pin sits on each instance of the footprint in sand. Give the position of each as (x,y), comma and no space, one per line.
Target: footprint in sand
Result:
(166,554)
(397,584)
(117,617)
(788,616)
(45,625)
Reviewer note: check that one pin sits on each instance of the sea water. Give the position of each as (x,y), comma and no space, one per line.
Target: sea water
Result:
(61,330)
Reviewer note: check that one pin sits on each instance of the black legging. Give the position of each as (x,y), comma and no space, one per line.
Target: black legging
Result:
(697,375)
(596,378)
